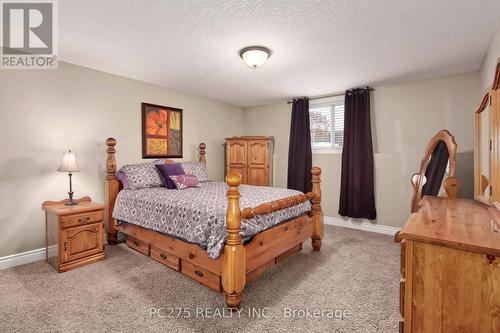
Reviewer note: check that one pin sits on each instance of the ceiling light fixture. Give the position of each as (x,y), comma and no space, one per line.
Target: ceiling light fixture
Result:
(255,56)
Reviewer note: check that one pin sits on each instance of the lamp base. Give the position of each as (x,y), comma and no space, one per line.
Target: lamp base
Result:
(71,202)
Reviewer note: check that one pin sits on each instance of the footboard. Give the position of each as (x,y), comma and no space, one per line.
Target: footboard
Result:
(264,250)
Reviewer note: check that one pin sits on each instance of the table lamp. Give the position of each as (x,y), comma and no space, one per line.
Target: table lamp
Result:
(68,164)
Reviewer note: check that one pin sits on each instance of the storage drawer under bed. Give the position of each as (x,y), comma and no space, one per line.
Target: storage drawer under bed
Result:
(165,258)
(138,245)
(201,275)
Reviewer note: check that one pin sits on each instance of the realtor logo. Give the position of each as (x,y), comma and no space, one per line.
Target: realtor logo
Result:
(29,34)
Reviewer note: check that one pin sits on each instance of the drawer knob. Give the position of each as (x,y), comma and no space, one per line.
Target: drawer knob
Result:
(163,256)
(191,256)
(199,273)
(84,219)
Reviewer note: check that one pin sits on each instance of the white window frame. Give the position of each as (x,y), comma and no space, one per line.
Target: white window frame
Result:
(325,148)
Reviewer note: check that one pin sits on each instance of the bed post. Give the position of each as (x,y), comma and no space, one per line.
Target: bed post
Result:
(202,158)
(111,190)
(233,266)
(317,214)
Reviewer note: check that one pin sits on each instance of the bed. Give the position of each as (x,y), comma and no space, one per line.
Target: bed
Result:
(222,234)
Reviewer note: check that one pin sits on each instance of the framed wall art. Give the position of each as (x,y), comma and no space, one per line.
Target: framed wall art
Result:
(161,131)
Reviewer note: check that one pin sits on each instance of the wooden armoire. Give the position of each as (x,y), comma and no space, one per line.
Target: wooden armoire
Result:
(252,157)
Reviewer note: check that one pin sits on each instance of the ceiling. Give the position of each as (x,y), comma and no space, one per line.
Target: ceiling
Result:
(318,47)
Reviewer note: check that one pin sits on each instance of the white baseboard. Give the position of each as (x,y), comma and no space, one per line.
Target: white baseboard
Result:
(361,225)
(22,258)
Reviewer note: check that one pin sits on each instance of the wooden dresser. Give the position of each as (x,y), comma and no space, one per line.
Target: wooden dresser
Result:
(252,157)
(450,268)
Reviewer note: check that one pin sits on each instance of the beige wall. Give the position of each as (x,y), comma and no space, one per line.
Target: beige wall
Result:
(490,61)
(405,116)
(43,113)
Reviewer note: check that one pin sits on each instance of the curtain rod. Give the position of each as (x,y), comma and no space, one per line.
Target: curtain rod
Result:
(326,96)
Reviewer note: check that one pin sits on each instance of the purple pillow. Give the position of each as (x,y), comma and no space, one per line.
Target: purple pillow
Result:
(167,170)
(185,181)
(122,177)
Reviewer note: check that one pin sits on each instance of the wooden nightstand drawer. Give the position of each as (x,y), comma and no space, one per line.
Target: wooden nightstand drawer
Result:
(82,241)
(83,218)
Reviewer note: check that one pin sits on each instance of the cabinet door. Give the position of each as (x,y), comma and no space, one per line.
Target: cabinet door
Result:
(242,170)
(80,242)
(258,152)
(257,175)
(237,158)
(258,162)
(237,152)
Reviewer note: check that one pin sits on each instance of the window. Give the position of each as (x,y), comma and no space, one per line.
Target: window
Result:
(327,123)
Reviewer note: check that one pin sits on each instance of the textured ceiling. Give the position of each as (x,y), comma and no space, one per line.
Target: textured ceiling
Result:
(318,46)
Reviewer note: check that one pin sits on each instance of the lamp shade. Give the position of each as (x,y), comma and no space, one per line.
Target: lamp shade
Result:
(68,163)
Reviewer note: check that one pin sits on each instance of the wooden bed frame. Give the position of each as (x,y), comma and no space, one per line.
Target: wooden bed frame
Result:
(239,263)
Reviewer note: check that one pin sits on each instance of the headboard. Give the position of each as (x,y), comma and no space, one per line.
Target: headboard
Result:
(113,185)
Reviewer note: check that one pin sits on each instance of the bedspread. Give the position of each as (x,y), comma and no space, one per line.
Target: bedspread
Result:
(198,215)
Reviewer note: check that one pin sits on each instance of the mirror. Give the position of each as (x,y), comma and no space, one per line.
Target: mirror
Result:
(482,186)
(487,145)
(437,170)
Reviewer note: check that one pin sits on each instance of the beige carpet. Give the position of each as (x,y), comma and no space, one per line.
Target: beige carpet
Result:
(357,272)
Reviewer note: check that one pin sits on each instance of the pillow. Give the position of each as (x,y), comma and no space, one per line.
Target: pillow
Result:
(142,175)
(168,170)
(122,177)
(199,169)
(163,162)
(185,181)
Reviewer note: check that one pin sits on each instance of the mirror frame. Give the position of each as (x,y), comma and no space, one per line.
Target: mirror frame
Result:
(478,191)
(491,97)
(451,183)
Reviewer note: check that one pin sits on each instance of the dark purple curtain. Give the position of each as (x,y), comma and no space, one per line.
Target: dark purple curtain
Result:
(357,198)
(299,152)
(436,169)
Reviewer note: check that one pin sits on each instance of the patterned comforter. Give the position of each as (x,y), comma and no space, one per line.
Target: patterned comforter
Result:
(198,215)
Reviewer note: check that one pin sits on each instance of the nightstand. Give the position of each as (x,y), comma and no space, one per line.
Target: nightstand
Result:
(74,235)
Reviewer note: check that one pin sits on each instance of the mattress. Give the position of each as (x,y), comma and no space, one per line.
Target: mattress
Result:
(198,215)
